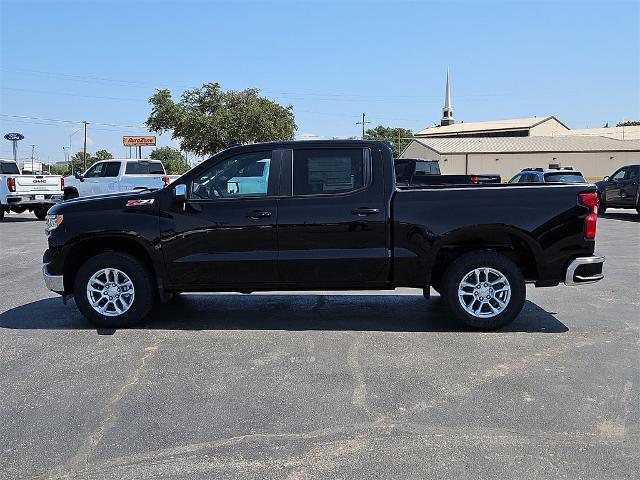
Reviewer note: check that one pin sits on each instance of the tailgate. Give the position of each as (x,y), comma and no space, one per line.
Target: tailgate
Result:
(37,184)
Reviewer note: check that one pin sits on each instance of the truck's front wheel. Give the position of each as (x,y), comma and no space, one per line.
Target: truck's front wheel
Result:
(114,290)
(484,290)
(41,212)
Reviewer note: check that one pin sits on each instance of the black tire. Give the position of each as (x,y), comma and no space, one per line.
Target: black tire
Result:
(602,208)
(40,212)
(459,270)
(70,195)
(1,213)
(140,276)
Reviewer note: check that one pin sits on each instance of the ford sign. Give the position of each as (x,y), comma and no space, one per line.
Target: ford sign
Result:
(14,137)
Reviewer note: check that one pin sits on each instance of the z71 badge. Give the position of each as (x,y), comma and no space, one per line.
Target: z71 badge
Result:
(139,203)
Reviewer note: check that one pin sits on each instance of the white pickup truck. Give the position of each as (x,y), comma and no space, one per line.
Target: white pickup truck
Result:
(35,193)
(117,175)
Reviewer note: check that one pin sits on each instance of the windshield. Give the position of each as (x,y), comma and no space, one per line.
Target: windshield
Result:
(9,167)
(562,177)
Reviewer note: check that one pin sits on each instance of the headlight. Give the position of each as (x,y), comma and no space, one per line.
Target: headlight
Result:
(52,222)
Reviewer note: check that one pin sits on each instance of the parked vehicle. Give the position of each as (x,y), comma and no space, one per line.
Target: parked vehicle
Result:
(33,193)
(114,175)
(329,217)
(620,190)
(548,175)
(419,171)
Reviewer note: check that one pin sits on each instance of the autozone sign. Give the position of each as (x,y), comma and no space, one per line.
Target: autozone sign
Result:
(129,141)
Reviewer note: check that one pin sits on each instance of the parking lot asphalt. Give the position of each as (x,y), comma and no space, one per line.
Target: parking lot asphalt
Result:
(321,385)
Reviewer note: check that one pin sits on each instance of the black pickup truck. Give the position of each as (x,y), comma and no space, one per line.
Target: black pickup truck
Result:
(322,215)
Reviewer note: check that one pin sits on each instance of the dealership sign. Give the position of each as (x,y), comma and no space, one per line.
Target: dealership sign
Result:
(135,141)
(14,137)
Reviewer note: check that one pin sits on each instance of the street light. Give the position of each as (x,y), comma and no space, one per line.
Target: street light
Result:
(71,149)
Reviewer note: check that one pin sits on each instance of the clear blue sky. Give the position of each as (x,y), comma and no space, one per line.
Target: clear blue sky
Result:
(100,61)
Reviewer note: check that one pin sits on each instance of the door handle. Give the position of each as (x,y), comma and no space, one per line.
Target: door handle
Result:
(362,211)
(255,214)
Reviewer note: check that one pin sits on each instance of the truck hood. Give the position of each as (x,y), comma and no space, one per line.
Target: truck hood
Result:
(108,201)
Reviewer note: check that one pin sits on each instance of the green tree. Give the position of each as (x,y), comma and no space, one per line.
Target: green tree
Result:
(629,123)
(102,155)
(207,119)
(60,170)
(396,135)
(78,162)
(174,162)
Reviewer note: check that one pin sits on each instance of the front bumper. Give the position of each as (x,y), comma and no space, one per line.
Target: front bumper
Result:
(55,283)
(584,270)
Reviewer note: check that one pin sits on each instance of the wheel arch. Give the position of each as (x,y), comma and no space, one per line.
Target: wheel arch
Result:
(513,243)
(87,248)
(70,191)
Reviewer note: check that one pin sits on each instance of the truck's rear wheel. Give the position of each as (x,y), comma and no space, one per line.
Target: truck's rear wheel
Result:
(114,290)
(484,290)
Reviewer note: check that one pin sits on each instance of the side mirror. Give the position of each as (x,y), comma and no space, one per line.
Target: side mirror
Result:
(180,192)
(79,176)
(606,179)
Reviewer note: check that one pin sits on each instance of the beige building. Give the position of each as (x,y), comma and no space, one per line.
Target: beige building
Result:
(594,156)
(506,147)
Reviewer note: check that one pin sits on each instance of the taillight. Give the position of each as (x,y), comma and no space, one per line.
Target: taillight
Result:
(474,179)
(61,183)
(589,200)
(11,184)
(166,180)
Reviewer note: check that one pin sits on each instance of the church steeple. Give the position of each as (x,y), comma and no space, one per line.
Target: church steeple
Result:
(447,111)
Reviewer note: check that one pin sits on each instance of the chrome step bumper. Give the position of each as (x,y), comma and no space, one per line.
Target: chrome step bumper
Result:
(584,270)
(55,283)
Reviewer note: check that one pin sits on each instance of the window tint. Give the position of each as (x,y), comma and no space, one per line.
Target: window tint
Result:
(112,169)
(144,168)
(325,171)
(95,170)
(245,175)
(559,177)
(516,178)
(426,168)
(619,175)
(634,172)
(9,167)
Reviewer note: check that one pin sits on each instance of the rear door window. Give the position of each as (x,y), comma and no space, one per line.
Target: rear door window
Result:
(144,168)
(9,167)
(328,171)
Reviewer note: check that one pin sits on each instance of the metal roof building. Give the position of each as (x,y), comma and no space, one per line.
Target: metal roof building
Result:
(515,127)
(594,156)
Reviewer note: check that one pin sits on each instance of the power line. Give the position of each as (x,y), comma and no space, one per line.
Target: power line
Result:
(123,99)
(138,84)
(27,117)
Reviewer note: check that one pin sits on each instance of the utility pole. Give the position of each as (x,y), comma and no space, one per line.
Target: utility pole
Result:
(84,148)
(363,123)
(33,149)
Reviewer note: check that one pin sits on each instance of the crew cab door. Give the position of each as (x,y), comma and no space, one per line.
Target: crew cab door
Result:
(332,217)
(224,233)
(622,187)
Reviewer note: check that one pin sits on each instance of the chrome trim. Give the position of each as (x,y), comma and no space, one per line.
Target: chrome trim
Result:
(571,270)
(55,283)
